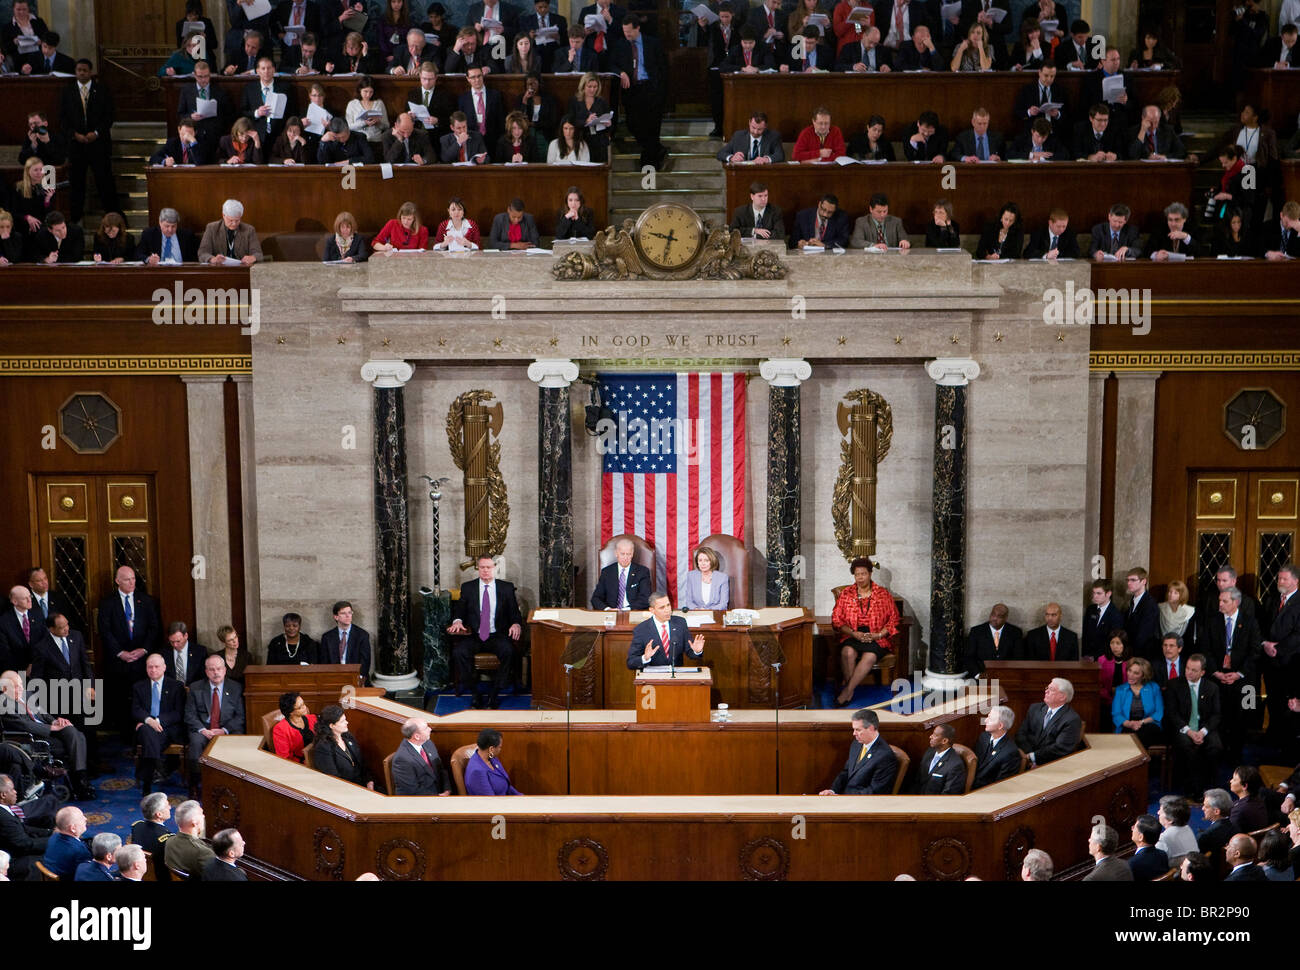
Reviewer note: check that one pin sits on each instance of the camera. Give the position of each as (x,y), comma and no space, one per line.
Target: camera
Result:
(42,130)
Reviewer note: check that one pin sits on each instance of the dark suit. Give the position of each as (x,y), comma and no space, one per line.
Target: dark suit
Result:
(1110,869)
(995,762)
(494,113)
(1038,645)
(291,60)
(1216,836)
(56,602)
(499,235)
(355,150)
(419,143)
(251,99)
(980,648)
(613,31)
(1101,241)
(440,107)
(1148,863)
(115,637)
(62,64)
(1246,873)
(871,775)
(1024,144)
(638,588)
(679,636)
(411,776)
(195,656)
(198,714)
(307,650)
(822,55)
(1087,142)
(63,853)
(468,609)
(48,663)
(1243,657)
(67,744)
(209,130)
(1099,620)
(925,149)
(311,23)
(23,842)
(1031,97)
(853,53)
(1167,143)
(507,14)
(151,244)
(215,870)
(946,778)
(964,146)
(911,59)
(743,219)
(331,759)
(358,649)
(760,57)
(529,23)
(17,649)
(1067,247)
(1284,669)
(199,153)
(1067,53)
(564,63)
(449,151)
(769,145)
(71,248)
(1196,762)
(643,102)
(97,116)
(1059,738)
(837,228)
(1271,239)
(1161,240)
(171,716)
(93,871)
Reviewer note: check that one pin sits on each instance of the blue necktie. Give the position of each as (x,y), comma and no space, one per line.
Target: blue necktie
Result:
(63,645)
(130,622)
(1114,241)
(157,700)
(167,248)
(1228,641)
(983,152)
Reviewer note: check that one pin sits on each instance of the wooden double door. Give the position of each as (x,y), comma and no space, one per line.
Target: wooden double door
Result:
(85,527)
(1246,519)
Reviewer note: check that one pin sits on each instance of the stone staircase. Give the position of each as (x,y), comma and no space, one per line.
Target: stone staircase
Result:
(693,174)
(133,143)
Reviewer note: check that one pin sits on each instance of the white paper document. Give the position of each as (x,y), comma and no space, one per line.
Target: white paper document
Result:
(548,35)
(227,261)
(317,119)
(701,12)
(1112,88)
(278,103)
(258,8)
(205,107)
(950,10)
(594,21)
(385,170)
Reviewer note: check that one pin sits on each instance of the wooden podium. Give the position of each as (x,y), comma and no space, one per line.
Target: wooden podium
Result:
(319,685)
(1022,682)
(680,697)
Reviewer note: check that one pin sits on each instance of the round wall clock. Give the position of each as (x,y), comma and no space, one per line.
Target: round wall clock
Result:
(669,236)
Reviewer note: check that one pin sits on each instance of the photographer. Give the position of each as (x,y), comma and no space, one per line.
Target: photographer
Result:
(49,146)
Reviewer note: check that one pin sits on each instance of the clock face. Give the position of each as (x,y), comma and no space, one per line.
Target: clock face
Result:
(669,236)
(1254,419)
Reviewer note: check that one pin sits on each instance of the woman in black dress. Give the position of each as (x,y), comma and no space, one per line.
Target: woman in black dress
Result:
(336,751)
(585,107)
(1005,238)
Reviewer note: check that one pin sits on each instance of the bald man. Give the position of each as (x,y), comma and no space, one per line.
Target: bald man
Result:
(129,631)
(1240,854)
(995,640)
(1051,641)
(21,630)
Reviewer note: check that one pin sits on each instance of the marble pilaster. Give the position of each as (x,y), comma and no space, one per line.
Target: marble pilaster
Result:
(394,669)
(948,538)
(1092,508)
(554,480)
(209,509)
(248,489)
(784,519)
(1135,430)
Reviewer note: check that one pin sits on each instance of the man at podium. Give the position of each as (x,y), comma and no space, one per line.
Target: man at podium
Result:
(663,634)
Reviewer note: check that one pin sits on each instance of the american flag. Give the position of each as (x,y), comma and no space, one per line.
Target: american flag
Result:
(677,473)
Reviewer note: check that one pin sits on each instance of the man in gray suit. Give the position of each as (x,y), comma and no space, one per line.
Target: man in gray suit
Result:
(878,229)
(417,769)
(1102,845)
(758,145)
(230,237)
(872,765)
(514,228)
(215,707)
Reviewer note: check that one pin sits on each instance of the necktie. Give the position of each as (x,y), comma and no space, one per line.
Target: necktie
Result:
(482,112)
(18,812)
(266,99)
(485,616)
(771,24)
(155,704)
(983,152)
(600,41)
(622,588)
(1194,722)
(1114,245)
(425,755)
(214,719)
(130,617)
(753,149)
(462,153)
(203,94)
(85,99)
(1042,94)
(997,638)
(343,646)
(749,58)
(880,233)
(27,628)
(167,248)
(406,144)
(185,154)
(426,98)
(1151,142)
(180,659)
(63,645)
(1053,645)
(898,20)
(821,229)
(663,638)
(1051,242)
(1047,717)
(863,753)
(1228,635)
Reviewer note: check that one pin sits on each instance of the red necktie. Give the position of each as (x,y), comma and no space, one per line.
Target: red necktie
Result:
(343,646)
(462,153)
(749,58)
(1151,142)
(770,22)
(1281,605)
(426,758)
(600,41)
(821,228)
(27,628)
(663,637)
(185,155)
(1053,645)
(482,113)
(1172,673)
(214,719)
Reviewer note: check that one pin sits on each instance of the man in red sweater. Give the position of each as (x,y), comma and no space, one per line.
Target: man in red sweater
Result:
(821,141)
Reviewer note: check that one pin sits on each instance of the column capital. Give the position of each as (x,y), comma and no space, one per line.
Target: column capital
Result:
(785,371)
(553,372)
(204,378)
(952,371)
(1138,375)
(387,373)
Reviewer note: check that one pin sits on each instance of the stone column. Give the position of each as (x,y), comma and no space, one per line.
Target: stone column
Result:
(784,375)
(209,509)
(554,480)
(1135,441)
(1092,506)
(394,669)
(948,537)
(248,488)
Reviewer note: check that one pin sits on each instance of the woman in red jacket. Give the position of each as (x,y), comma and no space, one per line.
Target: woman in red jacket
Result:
(404,232)
(296,730)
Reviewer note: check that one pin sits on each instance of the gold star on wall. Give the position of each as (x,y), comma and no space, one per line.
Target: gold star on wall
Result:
(279,340)
(898,338)
(954,338)
(555,341)
(1060,335)
(442,341)
(998,336)
(785,341)
(496,342)
(343,340)
(387,342)
(843,341)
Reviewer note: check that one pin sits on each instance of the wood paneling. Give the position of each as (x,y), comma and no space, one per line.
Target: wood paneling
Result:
(32,94)
(319,685)
(1023,682)
(790,99)
(134,40)
(307,198)
(1279,92)
(1087,190)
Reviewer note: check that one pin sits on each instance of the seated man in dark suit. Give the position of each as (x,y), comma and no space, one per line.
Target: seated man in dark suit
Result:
(24,842)
(1147,862)
(919,53)
(407,145)
(758,220)
(977,143)
(1115,237)
(995,640)
(927,140)
(759,144)
(305,57)
(242,55)
(750,57)
(1055,241)
(65,850)
(100,866)
(1240,854)
(1175,240)
(486,619)
(167,242)
(574,57)
(865,56)
(996,754)
(1097,139)
(51,60)
(661,640)
(417,51)
(1038,143)
(1280,237)
(1103,843)
(292,646)
(215,706)
(1170,667)
(1051,641)
(158,711)
(941,770)
(55,244)
(1052,728)
(872,766)
(817,55)
(184,149)
(463,144)
(1216,806)
(623,584)
(1192,719)
(417,768)
(346,643)
(825,227)
(1154,139)
(1074,53)
(340,145)
(227,847)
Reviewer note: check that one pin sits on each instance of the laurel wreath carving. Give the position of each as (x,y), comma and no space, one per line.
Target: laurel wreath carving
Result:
(498,504)
(842,497)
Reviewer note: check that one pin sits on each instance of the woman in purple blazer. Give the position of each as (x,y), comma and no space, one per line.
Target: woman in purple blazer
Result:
(706,588)
(484,774)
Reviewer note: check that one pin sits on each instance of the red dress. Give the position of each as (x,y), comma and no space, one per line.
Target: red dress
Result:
(398,235)
(287,739)
(879,614)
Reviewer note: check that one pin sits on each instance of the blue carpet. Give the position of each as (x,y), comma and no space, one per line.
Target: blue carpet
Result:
(451,704)
(117,802)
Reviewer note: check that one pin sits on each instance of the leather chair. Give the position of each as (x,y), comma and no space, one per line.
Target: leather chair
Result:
(459,758)
(904,766)
(734,561)
(388,774)
(1170,876)
(269,720)
(45,874)
(643,554)
(968,756)
(887,662)
(1024,763)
